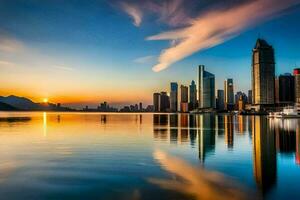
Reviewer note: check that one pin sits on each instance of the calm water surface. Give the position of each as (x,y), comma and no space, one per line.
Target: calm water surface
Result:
(146,156)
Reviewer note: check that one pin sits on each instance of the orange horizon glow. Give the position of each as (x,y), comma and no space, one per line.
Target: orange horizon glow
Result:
(83,98)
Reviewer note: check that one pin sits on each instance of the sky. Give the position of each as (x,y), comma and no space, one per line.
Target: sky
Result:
(85,52)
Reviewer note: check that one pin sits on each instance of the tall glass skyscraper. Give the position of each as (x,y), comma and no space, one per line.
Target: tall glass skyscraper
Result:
(206,88)
(193,95)
(263,74)
(174,97)
(229,94)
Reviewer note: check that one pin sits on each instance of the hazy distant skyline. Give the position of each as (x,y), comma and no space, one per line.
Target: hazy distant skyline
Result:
(84,52)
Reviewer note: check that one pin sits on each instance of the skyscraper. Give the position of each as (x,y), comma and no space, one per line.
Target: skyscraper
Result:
(297,85)
(164,102)
(249,96)
(286,89)
(263,74)
(193,95)
(156,102)
(206,89)
(220,100)
(229,94)
(184,91)
(174,97)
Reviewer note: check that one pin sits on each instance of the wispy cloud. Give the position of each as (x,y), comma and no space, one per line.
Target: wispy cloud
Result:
(64,68)
(134,12)
(215,27)
(10,45)
(145,59)
(202,24)
(4,63)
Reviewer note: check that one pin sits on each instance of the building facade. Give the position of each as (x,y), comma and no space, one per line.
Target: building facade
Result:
(206,88)
(297,85)
(156,102)
(263,74)
(164,102)
(286,89)
(193,95)
(229,94)
(249,98)
(184,95)
(220,100)
(174,97)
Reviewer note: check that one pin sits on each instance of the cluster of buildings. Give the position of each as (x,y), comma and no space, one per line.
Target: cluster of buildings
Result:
(268,91)
(105,107)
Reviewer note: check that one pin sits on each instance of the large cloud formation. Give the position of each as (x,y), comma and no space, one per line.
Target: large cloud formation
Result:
(209,27)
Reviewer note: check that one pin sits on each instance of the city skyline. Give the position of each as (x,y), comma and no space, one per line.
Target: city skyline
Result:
(76,66)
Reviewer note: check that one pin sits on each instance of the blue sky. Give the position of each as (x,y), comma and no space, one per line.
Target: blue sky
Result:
(83,52)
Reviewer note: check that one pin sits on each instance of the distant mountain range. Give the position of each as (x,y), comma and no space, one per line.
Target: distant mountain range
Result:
(7,107)
(12,102)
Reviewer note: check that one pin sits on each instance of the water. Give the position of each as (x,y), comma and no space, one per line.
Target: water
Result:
(145,156)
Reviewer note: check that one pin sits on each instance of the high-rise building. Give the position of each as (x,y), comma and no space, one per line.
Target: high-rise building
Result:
(297,85)
(193,95)
(263,74)
(249,98)
(184,95)
(156,102)
(174,97)
(241,103)
(164,102)
(276,90)
(286,89)
(206,89)
(229,94)
(220,100)
(141,106)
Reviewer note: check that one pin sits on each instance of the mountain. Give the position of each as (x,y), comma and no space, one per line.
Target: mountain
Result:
(20,102)
(7,107)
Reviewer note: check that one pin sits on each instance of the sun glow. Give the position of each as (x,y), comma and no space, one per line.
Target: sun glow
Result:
(45,100)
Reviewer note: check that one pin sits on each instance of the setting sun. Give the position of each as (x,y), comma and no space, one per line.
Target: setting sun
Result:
(45,100)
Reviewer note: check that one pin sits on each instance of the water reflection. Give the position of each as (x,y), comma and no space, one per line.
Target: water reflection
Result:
(14,119)
(264,154)
(108,151)
(198,182)
(206,135)
(268,137)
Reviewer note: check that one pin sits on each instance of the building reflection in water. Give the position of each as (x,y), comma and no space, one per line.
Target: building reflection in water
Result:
(184,135)
(298,144)
(241,125)
(228,128)
(160,129)
(220,125)
(192,130)
(287,136)
(268,136)
(264,154)
(173,128)
(206,135)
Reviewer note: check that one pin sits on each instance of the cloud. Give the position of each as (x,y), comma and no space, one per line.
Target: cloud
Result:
(134,12)
(10,45)
(64,68)
(214,27)
(144,60)
(198,182)
(172,12)
(4,63)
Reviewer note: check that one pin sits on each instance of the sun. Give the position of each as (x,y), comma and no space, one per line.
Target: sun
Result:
(45,100)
